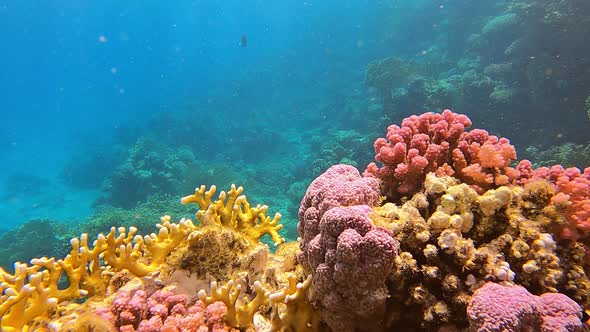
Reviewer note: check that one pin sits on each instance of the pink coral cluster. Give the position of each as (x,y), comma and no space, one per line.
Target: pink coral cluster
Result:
(349,257)
(573,197)
(495,308)
(434,142)
(340,185)
(163,311)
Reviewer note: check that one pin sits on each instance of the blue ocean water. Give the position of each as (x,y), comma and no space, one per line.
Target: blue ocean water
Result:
(78,74)
(105,104)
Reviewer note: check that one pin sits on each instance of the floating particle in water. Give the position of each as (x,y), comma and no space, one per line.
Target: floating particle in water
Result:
(114,70)
(102,39)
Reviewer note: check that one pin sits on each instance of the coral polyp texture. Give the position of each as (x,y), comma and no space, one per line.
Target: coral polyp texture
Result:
(349,257)
(494,307)
(448,233)
(439,143)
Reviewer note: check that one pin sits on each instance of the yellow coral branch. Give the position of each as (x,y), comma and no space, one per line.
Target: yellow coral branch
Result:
(33,291)
(290,309)
(233,211)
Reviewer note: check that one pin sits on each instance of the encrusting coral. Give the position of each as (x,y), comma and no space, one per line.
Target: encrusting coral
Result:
(33,296)
(452,240)
(512,308)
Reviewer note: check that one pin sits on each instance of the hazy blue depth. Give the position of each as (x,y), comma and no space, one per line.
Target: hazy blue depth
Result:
(74,71)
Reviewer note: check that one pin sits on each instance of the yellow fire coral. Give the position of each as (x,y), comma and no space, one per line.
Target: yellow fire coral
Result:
(33,291)
(291,312)
(233,210)
(240,311)
(290,309)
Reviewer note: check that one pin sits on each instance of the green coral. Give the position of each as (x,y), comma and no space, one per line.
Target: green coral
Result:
(151,167)
(568,155)
(338,147)
(386,74)
(499,24)
(35,238)
(501,95)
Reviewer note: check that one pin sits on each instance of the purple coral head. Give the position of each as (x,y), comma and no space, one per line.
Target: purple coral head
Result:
(340,185)
(495,308)
(350,259)
(560,313)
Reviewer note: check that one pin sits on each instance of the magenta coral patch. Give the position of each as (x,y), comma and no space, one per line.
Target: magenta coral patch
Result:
(496,308)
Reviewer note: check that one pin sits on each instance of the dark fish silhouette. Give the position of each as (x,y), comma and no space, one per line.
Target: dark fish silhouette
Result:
(244,41)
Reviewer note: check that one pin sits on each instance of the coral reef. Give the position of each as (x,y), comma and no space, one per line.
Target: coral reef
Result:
(439,143)
(567,154)
(455,230)
(494,307)
(33,294)
(32,239)
(512,62)
(452,240)
(151,167)
(445,235)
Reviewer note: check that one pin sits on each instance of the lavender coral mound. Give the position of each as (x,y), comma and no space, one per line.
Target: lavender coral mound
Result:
(502,308)
(350,260)
(348,256)
(340,185)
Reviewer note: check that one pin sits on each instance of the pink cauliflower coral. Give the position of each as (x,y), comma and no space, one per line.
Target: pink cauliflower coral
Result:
(495,308)
(340,185)
(163,311)
(573,198)
(350,260)
(349,257)
(434,142)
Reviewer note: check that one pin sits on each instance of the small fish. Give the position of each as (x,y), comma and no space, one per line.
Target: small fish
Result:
(244,41)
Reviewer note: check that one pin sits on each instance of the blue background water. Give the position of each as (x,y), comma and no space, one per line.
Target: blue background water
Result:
(74,71)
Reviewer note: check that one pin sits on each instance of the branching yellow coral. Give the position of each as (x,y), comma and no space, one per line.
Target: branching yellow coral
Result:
(290,309)
(123,251)
(25,296)
(240,311)
(34,290)
(291,312)
(232,210)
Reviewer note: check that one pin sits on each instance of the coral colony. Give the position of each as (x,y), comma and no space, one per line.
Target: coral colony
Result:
(445,232)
